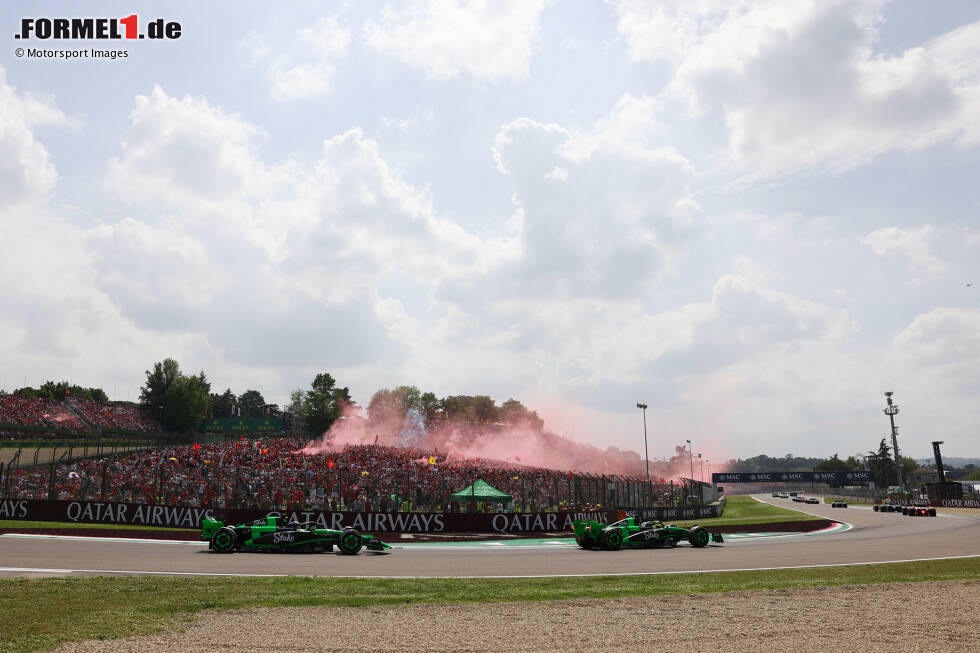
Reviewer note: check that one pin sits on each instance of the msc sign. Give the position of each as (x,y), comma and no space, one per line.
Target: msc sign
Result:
(793,477)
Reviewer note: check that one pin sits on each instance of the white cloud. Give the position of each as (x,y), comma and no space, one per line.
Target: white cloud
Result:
(301,81)
(486,39)
(185,150)
(940,349)
(307,70)
(26,171)
(799,84)
(420,120)
(913,245)
(328,37)
(329,41)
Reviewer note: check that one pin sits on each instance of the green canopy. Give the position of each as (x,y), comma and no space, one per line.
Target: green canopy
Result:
(481,491)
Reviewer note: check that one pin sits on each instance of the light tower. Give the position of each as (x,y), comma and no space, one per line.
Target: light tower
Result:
(891,411)
(646,451)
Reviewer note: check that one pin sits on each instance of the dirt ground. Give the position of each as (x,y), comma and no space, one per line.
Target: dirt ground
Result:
(893,617)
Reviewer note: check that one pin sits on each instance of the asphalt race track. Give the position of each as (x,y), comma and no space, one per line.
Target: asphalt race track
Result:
(873,537)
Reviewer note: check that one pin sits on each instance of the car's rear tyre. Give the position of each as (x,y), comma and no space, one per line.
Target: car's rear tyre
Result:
(932,512)
(699,538)
(583,541)
(875,508)
(612,539)
(350,542)
(670,542)
(223,540)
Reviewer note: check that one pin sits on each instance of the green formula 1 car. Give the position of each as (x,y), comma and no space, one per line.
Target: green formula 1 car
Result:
(276,534)
(632,533)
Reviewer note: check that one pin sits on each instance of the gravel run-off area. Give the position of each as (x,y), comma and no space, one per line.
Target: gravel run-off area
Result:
(890,617)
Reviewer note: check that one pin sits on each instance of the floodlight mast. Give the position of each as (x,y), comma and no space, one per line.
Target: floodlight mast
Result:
(891,411)
(646,451)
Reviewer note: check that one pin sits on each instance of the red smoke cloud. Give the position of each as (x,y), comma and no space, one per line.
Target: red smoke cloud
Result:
(512,445)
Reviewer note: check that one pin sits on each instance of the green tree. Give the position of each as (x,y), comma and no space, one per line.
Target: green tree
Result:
(514,412)
(832,464)
(184,404)
(221,404)
(179,401)
(158,381)
(881,464)
(909,465)
(430,406)
(324,403)
(63,390)
(388,405)
(252,403)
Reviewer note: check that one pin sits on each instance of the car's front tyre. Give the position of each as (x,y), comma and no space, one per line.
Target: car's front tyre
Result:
(699,538)
(350,542)
(223,540)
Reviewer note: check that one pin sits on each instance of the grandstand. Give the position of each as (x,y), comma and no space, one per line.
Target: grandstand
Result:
(77,415)
(273,474)
(113,415)
(32,411)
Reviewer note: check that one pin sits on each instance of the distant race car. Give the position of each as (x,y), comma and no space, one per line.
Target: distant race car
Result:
(839,504)
(918,511)
(277,534)
(630,532)
(912,511)
(798,499)
(811,500)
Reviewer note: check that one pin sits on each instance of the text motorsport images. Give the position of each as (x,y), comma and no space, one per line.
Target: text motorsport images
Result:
(100,29)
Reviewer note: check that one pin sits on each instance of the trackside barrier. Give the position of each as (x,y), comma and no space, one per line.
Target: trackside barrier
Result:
(96,512)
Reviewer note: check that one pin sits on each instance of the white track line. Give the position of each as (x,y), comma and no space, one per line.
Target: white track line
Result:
(596,575)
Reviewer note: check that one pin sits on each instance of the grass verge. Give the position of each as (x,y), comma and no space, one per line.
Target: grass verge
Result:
(850,502)
(80,608)
(745,507)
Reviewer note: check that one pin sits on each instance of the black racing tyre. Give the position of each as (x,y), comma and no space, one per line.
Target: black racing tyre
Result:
(612,539)
(350,542)
(583,541)
(875,508)
(700,538)
(905,510)
(932,512)
(223,540)
(670,542)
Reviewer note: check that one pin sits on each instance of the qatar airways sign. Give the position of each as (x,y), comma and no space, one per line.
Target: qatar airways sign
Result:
(135,514)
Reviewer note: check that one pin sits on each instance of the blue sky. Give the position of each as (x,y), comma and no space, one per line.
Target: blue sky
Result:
(756,217)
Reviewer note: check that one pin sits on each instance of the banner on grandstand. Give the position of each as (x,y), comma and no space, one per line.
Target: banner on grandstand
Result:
(675,513)
(243,424)
(98,512)
(793,477)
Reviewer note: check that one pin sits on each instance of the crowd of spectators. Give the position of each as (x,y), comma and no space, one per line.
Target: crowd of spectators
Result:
(74,414)
(33,411)
(114,414)
(271,474)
